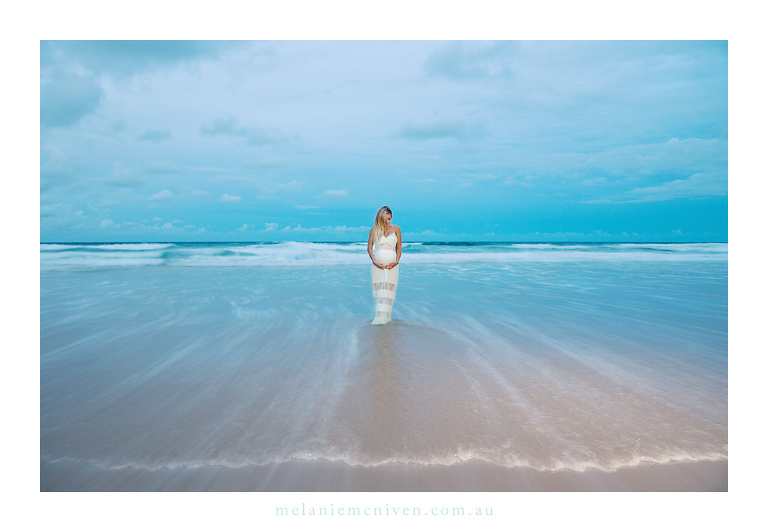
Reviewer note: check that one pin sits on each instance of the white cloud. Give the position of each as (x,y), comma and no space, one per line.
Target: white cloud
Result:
(593,182)
(253,135)
(226,198)
(294,185)
(106,223)
(527,181)
(163,195)
(638,160)
(344,228)
(300,228)
(123,176)
(266,186)
(324,229)
(335,193)
(199,193)
(698,185)
(244,228)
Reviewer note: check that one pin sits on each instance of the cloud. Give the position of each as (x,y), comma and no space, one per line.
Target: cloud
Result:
(294,185)
(155,135)
(66,97)
(635,172)
(525,181)
(226,198)
(696,186)
(244,228)
(593,182)
(345,229)
(363,229)
(335,193)
(267,162)
(163,195)
(161,167)
(122,59)
(467,59)
(254,135)
(592,121)
(60,213)
(107,223)
(443,128)
(647,159)
(124,177)
(119,126)
(207,170)
(55,169)
(267,187)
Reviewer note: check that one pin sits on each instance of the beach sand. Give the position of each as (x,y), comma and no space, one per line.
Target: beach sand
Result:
(527,376)
(467,476)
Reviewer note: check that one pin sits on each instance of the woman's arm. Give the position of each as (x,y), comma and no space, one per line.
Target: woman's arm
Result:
(398,247)
(370,250)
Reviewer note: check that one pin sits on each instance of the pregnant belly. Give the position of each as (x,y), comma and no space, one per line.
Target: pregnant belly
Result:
(385,256)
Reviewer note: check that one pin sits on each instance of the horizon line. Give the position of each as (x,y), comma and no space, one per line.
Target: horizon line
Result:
(411,241)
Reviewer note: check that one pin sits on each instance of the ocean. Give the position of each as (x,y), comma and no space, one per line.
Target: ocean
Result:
(542,356)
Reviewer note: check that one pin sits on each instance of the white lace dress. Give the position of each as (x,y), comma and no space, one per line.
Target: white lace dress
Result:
(384,282)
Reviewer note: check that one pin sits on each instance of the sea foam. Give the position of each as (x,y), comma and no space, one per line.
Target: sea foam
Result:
(62,256)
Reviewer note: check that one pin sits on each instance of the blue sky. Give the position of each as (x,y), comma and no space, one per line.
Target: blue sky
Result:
(305,140)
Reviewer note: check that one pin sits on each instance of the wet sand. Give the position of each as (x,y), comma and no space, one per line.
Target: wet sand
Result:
(298,476)
(185,379)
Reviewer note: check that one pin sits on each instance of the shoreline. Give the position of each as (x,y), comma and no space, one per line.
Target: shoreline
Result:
(323,476)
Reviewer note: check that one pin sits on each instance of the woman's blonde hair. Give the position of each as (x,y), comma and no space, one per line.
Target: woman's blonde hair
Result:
(380,224)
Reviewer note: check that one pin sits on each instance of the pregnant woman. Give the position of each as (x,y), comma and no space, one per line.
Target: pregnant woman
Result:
(384,248)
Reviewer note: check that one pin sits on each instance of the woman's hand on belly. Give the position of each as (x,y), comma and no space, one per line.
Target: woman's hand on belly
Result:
(384,257)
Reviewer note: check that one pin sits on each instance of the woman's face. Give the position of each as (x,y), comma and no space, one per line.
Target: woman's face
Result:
(388,218)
